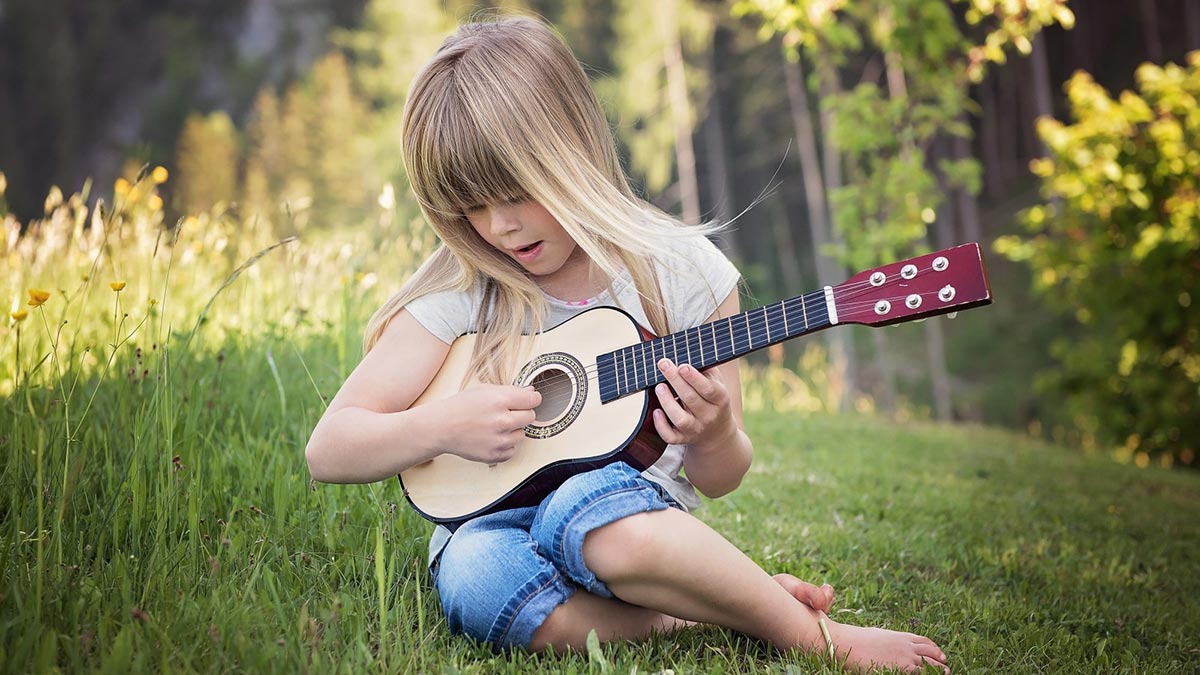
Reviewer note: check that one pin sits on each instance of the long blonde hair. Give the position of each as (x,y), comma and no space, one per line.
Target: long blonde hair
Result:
(504,111)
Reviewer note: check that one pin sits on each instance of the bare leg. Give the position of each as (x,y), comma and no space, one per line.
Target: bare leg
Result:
(568,626)
(673,563)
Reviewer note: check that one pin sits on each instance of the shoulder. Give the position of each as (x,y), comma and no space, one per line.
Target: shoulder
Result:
(695,277)
(448,313)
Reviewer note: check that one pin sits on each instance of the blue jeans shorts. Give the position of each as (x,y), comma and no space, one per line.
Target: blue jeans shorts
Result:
(501,575)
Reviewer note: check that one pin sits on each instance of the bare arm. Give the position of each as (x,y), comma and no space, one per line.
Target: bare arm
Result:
(370,431)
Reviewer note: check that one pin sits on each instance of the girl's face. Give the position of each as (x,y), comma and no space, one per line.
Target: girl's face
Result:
(527,233)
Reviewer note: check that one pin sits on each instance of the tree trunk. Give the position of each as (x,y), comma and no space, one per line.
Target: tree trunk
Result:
(841,344)
(1191,20)
(814,184)
(681,115)
(716,158)
(989,139)
(935,343)
(1154,48)
(1043,96)
(887,372)
(935,347)
(968,207)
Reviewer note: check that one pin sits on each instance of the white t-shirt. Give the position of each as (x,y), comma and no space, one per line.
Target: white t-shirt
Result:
(694,277)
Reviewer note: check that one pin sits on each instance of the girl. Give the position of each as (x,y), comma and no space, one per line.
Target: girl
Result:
(514,165)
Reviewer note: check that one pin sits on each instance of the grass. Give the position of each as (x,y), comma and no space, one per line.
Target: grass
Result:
(156,512)
(190,538)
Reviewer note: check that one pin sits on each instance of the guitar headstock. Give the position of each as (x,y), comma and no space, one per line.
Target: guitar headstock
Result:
(938,283)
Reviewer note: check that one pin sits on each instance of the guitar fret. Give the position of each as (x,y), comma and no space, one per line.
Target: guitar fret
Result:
(642,363)
(767,322)
(783,306)
(804,308)
(732,344)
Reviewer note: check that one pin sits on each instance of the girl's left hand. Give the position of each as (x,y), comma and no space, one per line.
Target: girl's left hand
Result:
(698,411)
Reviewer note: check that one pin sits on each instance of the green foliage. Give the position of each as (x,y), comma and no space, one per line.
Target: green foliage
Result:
(892,193)
(1117,244)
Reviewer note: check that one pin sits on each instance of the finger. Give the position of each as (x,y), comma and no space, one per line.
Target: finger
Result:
(519,419)
(674,410)
(703,385)
(683,390)
(525,398)
(665,430)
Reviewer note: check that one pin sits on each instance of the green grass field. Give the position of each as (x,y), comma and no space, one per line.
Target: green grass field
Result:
(156,512)
(189,538)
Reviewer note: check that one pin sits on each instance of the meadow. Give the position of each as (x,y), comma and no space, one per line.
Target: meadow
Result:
(159,384)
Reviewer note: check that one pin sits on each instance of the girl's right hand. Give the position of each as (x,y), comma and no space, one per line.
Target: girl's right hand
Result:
(486,421)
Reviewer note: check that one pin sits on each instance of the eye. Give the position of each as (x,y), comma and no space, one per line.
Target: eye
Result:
(474,208)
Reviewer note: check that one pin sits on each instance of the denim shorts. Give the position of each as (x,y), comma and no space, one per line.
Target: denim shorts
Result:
(501,575)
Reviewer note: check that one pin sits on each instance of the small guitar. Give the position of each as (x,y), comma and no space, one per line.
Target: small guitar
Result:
(596,373)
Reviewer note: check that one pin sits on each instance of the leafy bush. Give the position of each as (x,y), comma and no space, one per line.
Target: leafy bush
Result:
(1117,243)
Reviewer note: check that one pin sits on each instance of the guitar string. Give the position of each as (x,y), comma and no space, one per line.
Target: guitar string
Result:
(559,388)
(841,294)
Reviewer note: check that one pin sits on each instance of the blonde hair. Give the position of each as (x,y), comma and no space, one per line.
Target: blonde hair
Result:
(504,111)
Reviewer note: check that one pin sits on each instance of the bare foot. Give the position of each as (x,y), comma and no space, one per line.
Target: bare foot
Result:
(867,648)
(819,598)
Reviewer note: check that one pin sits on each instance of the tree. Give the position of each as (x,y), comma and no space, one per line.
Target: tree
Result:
(1117,245)
(652,93)
(889,121)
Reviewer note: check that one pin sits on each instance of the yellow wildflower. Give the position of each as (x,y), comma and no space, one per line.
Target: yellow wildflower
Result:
(153,301)
(19,315)
(155,203)
(121,186)
(159,175)
(117,286)
(37,298)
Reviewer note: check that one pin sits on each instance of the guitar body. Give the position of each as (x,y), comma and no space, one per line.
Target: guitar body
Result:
(596,373)
(573,431)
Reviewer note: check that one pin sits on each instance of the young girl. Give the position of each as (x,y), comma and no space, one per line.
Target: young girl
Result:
(514,166)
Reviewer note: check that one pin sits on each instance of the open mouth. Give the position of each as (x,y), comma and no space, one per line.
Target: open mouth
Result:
(527,254)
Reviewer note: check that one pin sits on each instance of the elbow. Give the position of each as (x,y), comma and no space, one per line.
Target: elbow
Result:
(316,454)
(316,464)
(717,491)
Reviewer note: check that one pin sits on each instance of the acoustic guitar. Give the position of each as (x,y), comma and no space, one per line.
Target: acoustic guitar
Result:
(596,373)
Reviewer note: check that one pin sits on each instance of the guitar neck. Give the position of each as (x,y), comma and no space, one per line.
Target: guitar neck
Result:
(633,368)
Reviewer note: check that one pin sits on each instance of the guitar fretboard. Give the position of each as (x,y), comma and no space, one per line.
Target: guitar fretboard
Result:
(633,368)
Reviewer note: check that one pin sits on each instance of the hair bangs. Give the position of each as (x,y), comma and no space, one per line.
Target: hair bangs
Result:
(469,169)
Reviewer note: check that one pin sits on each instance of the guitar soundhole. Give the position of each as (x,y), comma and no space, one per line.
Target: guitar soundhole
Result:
(562,381)
(556,389)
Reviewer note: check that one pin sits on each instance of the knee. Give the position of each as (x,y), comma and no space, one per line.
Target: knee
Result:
(468,575)
(626,547)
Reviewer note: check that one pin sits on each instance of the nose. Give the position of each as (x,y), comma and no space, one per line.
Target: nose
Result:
(503,220)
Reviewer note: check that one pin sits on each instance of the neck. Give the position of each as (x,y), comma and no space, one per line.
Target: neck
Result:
(634,368)
(577,279)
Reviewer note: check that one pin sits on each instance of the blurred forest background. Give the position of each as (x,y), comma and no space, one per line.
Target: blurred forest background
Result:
(835,134)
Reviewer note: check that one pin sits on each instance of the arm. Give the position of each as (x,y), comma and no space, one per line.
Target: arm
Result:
(709,421)
(370,432)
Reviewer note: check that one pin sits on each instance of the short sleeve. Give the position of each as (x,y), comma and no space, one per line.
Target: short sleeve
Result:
(695,281)
(446,314)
